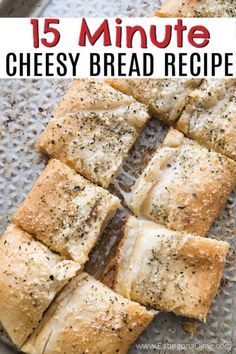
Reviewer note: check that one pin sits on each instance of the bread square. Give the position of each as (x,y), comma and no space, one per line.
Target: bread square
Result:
(210,116)
(197,8)
(169,270)
(30,277)
(66,211)
(184,185)
(88,317)
(165,98)
(93,129)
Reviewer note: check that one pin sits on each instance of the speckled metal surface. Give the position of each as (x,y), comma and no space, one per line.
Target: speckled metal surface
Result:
(26,106)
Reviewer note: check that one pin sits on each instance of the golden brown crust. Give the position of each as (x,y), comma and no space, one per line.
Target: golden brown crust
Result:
(109,273)
(165,98)
(197,8)
(88,317)
(169,270)
(30,277)
(184,185)
(66,211)
(210,116)
(93,129)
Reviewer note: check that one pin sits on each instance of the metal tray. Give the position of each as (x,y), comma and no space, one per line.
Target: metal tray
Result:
(26,106)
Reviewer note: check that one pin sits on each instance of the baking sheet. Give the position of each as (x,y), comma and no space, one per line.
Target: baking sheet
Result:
(26,106)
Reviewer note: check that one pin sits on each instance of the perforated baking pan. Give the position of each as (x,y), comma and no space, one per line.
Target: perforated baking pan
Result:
(26,106)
